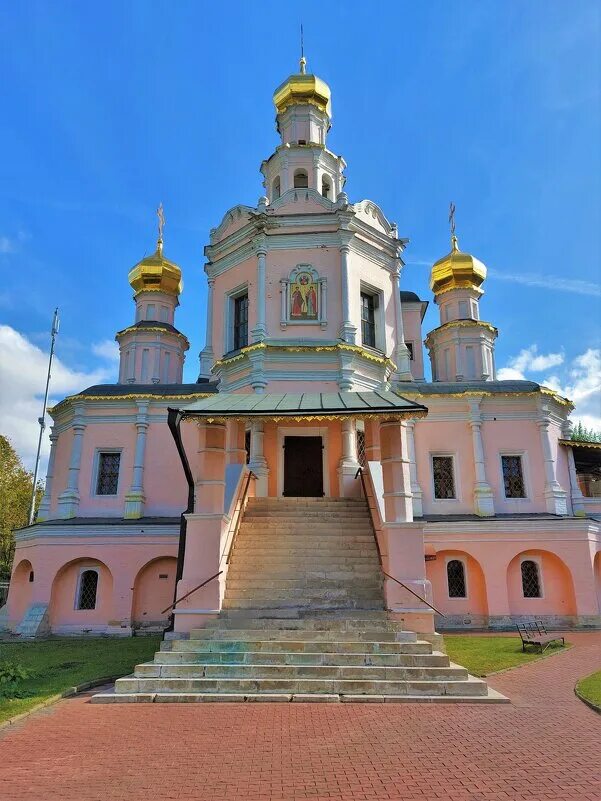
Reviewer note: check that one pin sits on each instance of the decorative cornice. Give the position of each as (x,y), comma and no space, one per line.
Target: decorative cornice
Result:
(158,329)
(572,443)
(483,393)
(338,348)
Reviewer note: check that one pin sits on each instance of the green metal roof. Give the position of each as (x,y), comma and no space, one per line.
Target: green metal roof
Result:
(303,404)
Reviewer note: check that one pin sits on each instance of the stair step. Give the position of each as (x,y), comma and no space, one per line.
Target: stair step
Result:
(276,671)
(287,657)
(469,686)
(267,634)
(286,645)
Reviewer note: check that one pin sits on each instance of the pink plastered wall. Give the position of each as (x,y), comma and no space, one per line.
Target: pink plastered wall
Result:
(412,327)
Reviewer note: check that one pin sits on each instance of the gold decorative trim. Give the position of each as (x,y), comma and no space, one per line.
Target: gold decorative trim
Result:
(302,418)
(130,396)
(484,393)
(342,346)
(153,328)
(459,285)
(465,324)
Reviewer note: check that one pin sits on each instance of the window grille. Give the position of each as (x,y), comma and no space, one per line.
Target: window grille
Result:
(108,473)
(444,480)
(368,320)
(410,349)
(88,586)
(456,579)
(247,444)
(361,447)
(530,579)
(240,322)
(513,477)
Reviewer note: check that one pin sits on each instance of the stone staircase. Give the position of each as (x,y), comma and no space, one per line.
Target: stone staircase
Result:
(303,619)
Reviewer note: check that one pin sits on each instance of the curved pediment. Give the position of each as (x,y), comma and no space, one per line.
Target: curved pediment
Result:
(235,218)
(301,201)
(373,215)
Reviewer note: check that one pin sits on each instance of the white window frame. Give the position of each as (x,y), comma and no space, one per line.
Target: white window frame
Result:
(525,474)
(96,467)
(457,497)
(83,570)
(463,561)
(379,316)
(541,585)
(228,317)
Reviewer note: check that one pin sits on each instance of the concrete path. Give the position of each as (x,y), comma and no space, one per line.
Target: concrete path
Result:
(545,745)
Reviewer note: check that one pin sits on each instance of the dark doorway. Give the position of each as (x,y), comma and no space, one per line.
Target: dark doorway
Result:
(303,467)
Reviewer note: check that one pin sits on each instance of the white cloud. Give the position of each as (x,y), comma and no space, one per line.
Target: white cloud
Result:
(529,360)
(580,380)
(573,285)
(7,245)
(23,368)
(107,349)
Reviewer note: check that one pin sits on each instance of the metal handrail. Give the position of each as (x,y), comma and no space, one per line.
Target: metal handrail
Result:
(359,474)
(183,598)
(239,518)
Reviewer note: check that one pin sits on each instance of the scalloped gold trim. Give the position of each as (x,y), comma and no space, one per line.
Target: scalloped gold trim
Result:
(302,418)
(484,393)
(153,328)
(342,346)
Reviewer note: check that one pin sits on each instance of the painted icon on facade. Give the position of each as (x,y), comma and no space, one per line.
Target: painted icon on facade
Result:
(303,297)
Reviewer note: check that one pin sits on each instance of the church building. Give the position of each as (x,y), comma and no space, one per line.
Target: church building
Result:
(312,480)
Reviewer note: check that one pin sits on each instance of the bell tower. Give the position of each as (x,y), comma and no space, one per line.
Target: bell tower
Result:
(462,347)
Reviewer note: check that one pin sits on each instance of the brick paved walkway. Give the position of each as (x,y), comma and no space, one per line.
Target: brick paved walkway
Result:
(545,745)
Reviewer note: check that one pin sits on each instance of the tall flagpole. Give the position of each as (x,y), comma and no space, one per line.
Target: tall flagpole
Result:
(42,419)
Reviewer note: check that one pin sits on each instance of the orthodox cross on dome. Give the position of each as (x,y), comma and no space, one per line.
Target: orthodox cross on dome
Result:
(452,224)
(161,225)
(303,60)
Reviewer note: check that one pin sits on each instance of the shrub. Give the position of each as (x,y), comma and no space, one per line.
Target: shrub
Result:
(12,674)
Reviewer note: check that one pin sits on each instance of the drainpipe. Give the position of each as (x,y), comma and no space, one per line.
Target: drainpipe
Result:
(174,419)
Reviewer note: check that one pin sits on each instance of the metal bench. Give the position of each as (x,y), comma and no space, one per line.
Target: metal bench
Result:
(536,634)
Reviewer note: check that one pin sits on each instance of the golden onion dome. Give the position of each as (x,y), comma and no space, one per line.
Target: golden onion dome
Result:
(156,274)
(457,270)
(303,87)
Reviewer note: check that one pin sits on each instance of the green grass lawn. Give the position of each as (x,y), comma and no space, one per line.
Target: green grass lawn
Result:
(482,655)
(590,688)
(62,662)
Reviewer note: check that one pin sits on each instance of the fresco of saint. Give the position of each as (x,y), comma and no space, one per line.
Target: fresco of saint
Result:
(303,297)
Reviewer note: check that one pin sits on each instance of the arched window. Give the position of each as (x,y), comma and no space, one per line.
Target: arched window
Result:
(88,586)
(301,179)
(326,187)
(276,190)
(456,579)
(530,579)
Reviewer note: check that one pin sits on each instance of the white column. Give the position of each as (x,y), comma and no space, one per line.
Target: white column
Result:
(348,465)
(347,331)
(458,361)
(259,332)
(416,490)
(258,462)
(323,303)
(403,367)
(44,508)
(68,501)
(134,500)
(398,499)
(316,185)
(483,494)
(207,359)
(555,495)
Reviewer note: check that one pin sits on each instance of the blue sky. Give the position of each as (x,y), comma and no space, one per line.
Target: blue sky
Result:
(109,109)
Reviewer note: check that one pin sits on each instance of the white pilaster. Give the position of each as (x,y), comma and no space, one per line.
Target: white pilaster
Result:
(403,367)
(134,500)
(398,499)
(207,359)
(68,501)
(555,495)
(258,462)
(416,490)
(483,494)
(259,332)
(44,508)
(347,331)
(348,465)
(576,494)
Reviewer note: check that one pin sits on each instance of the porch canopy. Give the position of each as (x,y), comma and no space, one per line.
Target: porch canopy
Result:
(302,405)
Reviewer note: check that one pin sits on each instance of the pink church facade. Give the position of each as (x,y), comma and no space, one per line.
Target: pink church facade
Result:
(313,367)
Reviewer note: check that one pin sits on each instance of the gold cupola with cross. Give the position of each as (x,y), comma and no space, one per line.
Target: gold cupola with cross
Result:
(457,270)
(155,273)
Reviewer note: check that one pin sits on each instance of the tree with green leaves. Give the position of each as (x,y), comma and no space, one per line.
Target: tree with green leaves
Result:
(15,498)
(582,434)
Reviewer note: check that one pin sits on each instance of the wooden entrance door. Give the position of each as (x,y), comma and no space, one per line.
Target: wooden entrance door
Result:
(303,467)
